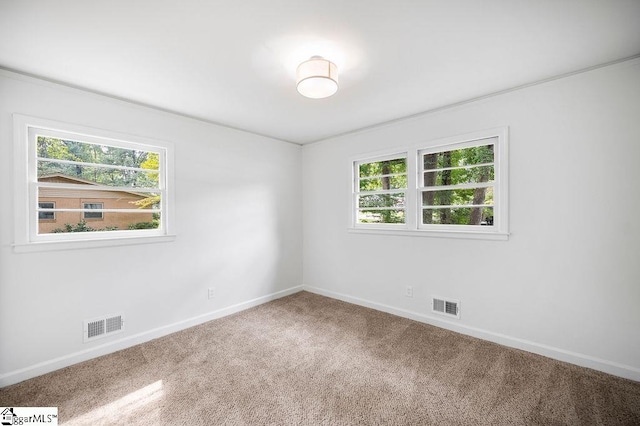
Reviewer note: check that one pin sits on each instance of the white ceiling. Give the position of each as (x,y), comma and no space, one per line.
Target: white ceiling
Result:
(233,62)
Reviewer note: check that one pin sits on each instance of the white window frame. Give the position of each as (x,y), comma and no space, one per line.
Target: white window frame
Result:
(413,215)
(26,183)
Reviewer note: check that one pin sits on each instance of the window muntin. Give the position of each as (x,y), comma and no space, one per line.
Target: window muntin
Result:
(457,185)
(380,190)
(46,214)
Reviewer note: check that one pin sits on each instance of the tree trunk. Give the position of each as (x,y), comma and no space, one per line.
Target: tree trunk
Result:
(478,198)
(479,194)
(445,196)
(386,184)
(430,162)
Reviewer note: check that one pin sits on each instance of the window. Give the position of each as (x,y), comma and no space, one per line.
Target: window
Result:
(93,206)
(457,184)
(46,214)
(381,190)
(101,188)
(452,187)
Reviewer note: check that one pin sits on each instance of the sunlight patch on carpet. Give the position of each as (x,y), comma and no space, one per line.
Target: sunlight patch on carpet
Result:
(121,408)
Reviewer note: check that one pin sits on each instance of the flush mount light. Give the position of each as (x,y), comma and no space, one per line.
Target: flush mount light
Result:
(317,78)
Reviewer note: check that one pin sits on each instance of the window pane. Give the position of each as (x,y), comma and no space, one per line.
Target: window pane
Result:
(379,168)
(94,153)
(383,183)
(458,197)
(80,174)
(381,200)
(459,216)
(380,216)
(100,155)
(459,176)
(459,157)
(141,208)
(75,198)
(69,222)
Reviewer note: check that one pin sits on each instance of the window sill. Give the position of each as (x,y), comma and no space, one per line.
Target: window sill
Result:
(493,236)
(87,244)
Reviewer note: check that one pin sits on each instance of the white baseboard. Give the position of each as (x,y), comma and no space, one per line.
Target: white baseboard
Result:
(610,367)
(126,342)
(582,360)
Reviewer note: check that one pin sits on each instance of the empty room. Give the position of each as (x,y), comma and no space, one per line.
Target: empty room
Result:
(320,212)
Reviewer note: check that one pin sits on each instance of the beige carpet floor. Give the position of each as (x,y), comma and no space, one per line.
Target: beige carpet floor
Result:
(310,360)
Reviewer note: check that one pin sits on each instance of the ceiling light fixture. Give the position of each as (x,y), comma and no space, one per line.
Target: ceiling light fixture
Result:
(317,78)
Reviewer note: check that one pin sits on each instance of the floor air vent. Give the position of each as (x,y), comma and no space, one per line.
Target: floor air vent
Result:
(448,307)
(102,327)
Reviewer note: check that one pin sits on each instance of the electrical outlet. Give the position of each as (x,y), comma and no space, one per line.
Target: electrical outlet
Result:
(408,291)
(212,292)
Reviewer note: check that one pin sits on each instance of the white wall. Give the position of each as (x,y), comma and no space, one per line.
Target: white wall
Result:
(238,201)
(567,283)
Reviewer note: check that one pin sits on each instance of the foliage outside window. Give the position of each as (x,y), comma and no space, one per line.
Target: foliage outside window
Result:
(76,180)
(456,187)
(381,191)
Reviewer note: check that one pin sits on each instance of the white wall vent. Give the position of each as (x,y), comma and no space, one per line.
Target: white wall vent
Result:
(102,327)
(448,307)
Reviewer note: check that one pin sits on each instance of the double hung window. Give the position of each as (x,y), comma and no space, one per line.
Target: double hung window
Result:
(78,184)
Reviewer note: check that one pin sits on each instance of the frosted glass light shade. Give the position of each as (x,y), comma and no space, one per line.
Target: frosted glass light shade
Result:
(317,78)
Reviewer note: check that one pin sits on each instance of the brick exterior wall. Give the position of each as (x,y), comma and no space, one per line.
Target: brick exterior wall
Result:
(75,199)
